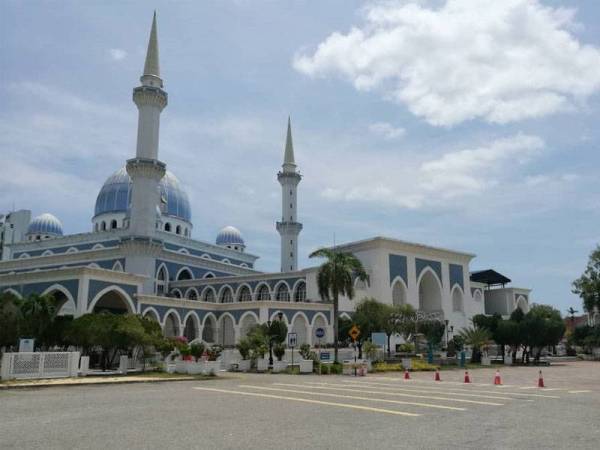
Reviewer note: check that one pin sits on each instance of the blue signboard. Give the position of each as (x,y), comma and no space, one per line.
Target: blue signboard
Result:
(325,356)
(379,339)
(320,333)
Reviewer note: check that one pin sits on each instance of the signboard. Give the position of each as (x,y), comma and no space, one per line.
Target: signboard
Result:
(320,333)
(25,345)
(354,332)
(379,339)
(292,339)
(325,356)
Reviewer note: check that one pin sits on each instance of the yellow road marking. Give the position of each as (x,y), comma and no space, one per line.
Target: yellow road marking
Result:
(425,390)
(399,394)
(470,393)
(398,402)
(306,400)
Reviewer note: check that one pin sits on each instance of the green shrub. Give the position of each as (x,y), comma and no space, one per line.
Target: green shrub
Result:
(214,352)
(370,350)
(244,347)
(196,350)
(406,348)
(279,351)
(335,369)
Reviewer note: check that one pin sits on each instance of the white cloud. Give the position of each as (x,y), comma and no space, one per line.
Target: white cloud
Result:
(118,54)
(501,61)
(387,130)
(413,182)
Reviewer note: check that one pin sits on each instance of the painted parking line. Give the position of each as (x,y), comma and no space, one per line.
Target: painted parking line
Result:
(334,387)
(350,397)
(306,400)
(579,392)
(440,389)
(462,384)
(403,388)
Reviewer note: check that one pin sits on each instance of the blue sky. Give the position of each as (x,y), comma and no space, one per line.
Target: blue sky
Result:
(467,124)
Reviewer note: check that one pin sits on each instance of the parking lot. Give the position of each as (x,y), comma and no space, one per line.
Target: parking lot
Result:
(284,411)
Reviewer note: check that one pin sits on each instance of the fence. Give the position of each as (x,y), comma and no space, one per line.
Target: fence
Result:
(39,365)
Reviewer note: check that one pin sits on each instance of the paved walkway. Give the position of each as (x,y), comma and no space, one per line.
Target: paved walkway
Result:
(16,384)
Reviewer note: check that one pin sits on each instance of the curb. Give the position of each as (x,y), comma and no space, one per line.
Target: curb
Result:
(92,383)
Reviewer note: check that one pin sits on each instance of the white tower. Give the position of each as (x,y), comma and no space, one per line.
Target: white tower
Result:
(289,228)
(145,169)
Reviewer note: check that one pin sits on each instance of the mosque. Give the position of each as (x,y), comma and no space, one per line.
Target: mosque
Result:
(140,257)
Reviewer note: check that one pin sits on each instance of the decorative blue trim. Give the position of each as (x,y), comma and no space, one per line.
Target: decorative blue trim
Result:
(96,286)
(398,267)
(436,266)
(456,276)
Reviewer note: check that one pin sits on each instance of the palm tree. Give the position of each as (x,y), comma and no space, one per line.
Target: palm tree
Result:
(475,337)
(335,278)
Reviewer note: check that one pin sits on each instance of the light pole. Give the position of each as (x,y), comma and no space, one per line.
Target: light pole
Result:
(447,331)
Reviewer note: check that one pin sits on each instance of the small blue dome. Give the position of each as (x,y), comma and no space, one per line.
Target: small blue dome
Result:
(230,236)
(115,195)
(45,224)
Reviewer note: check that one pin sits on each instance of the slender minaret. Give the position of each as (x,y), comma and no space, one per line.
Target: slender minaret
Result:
(145,169)
(289,228)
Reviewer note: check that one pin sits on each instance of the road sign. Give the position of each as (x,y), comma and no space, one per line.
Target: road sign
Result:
(325,356)
(320,333)
(379,339)
(26,345)
(354,332)
(292,339)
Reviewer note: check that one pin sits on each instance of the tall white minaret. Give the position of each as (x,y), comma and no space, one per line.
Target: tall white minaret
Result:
(145,169)
(289,228)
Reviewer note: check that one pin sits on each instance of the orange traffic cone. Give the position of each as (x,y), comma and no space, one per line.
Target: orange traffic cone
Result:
(406,374)
(467,379)
(541,380)
(497,379)
(437,375)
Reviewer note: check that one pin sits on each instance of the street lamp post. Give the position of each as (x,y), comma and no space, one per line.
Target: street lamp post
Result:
(447,340)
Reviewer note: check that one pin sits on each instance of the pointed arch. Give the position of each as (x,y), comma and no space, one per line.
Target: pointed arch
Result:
(98,246)
(162,279)
(151,313)
(227,330)
(477,295)
(430,291)
(319,321)
(72,250)
(209,295)
(65,303)
(24,256)
(399,291)
(263,292)
(209,275)
(521,303)
(300,327)
(172,323)
(457,295)
(205,256)
(192,294)
(114,298)
(13,292)
(48,253)
(226,294)
(209,328)
(247,321)
(244,293)
(93,266)
(300,291)
(185,273)
(118,267)
(183,251)
(191,326)
(282,291)
(176,293)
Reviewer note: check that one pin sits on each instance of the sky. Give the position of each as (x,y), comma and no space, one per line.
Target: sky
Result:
(465,124)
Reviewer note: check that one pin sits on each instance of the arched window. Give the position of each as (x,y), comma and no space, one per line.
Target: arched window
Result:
(103,226)
(192,294)
(245,294)
(300,295)
(178,229)
(209,275)
(457,300)
(176,293)
(263,293)
(161,281)
(185,274)
(227,295)
(209,295)
(168,227)
(113,224)
(398,294)
(283,293)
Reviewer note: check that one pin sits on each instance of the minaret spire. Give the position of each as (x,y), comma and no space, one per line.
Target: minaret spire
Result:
(152,65)
(289,228)
(288,158)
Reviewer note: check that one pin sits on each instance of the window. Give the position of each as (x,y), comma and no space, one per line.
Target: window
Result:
(245,294)
(300,295)
(168,227)
(113,224)
(178,229)
(209,296)
(161,281)
(103,226)
(291,206)
(227,296)
(283,294)
(263,293)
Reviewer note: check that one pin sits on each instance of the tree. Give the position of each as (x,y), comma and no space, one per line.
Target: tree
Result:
(344,326)
(335,278)
(587,286)
(508,333)
(542,327)
(433,330)
(38,315)
(476,338)
(370,317)
(10,320)
(398,319)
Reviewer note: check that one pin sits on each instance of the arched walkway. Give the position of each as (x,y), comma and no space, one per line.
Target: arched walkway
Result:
(209,329)
(263,293)
(226,295)
(300,327)
(191,329)
(522,304)
(151,313)
(227,331)
(247,322)
(114,300)
(245,294)
(171,325)
(430,293)
(398,293)
(64,302)
(283,293)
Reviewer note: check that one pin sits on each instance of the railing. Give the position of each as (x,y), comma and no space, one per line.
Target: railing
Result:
(39,365)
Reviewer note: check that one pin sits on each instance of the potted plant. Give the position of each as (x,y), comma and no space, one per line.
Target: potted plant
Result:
(244,348)
(279,352)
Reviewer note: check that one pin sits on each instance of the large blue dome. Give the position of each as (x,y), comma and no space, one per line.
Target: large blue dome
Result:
(45,224)
(229,236)
(115,194)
